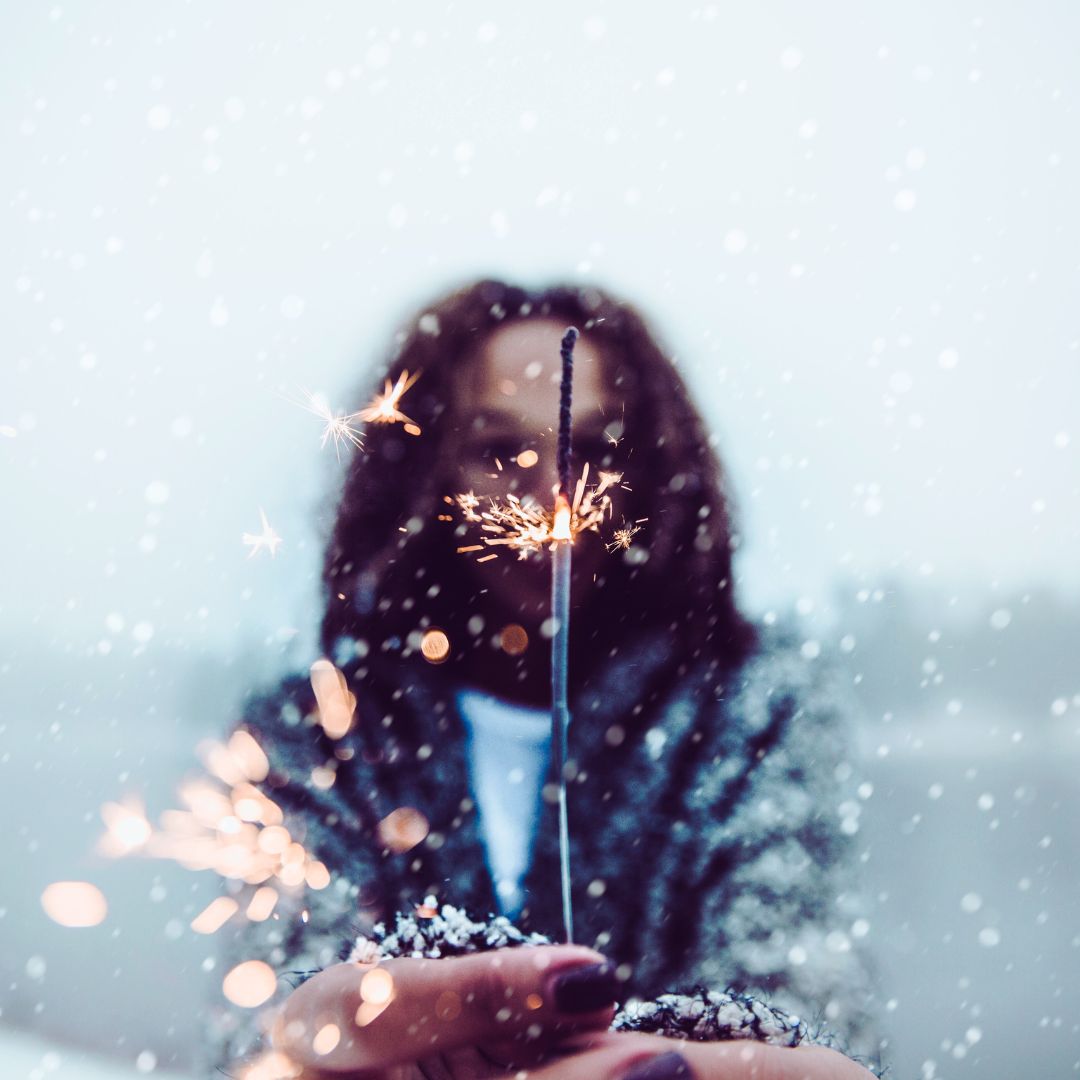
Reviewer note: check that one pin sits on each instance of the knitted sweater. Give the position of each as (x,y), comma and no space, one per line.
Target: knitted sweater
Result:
(709,826)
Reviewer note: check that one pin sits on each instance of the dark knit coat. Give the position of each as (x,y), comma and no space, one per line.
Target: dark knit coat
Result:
(712,818)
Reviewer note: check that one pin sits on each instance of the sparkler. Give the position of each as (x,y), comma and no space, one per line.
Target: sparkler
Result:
(339,427)
(527,528)
(231,826)
(228,825)
(560,611)
(266,539)
(383,408)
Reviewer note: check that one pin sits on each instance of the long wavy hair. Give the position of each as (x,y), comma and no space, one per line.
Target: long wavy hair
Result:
(391,567)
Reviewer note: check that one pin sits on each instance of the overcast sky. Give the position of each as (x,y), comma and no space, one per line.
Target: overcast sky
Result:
(858,234)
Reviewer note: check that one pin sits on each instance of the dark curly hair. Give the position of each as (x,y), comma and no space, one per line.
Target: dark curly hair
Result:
(390,566)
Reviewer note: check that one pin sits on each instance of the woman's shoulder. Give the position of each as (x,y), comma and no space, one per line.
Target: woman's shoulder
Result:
(791,672)
(283,719)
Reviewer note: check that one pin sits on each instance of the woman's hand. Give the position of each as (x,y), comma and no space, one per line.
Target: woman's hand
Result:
(629,1056)
(485,1015)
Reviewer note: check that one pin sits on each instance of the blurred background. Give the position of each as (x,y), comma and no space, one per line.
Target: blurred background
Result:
(856,229)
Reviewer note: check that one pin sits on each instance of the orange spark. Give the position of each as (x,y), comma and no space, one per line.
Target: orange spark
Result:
(383,408)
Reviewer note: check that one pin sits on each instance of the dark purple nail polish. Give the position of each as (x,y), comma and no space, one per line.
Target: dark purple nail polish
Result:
(585,989)
(671,1066)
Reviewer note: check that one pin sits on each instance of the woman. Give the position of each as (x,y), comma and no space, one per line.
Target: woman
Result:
(707,756)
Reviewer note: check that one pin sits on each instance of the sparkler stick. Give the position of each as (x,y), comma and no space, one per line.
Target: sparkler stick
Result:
(527,528)
(560,611)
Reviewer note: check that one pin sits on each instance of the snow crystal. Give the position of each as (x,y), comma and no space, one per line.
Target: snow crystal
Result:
(948,359)
(735,241)
(970,903)
(156,493)
(900,382)
(791,58)
(159,117)
(904,200)
(292,307)
(989,937)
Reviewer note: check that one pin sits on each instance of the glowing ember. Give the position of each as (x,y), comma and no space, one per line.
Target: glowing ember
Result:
(262,904)
(527,459)
(383,408)
(376,993)
(621,538)
(336,702)
(74,903)
(326,1039)
(215,915)
(377,986)
(316,875)
(339,427)
(128,829)
(527,527)
(272,1066)
(250,984)
(560,529)
(266,539)
(228,825)
(513,639)
(435,646)
(249,756)
(402,829)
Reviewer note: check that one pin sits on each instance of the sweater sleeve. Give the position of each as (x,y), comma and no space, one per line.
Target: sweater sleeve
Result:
(308,925)
(776,816)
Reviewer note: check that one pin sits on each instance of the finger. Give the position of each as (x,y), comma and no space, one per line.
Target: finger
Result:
(630,1056)
(368,1017)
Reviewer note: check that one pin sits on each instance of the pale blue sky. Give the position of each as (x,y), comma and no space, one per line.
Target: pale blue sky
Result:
(858,232)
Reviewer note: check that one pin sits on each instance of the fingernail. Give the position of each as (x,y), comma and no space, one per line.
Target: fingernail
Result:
(665,1067)
(585,989)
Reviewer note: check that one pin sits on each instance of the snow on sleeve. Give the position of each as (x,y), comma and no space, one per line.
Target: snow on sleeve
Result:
(777,872)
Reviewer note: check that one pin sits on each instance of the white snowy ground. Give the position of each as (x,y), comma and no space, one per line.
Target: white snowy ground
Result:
(27,1058)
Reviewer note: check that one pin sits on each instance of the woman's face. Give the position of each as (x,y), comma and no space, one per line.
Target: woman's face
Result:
(506,432)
